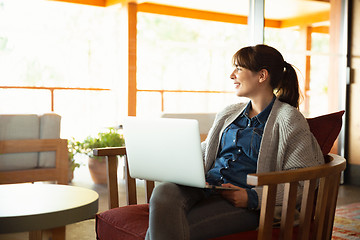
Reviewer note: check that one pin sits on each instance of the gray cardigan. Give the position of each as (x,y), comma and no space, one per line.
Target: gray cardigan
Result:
(287,142)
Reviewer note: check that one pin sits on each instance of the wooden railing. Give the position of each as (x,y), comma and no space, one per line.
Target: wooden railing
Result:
(52,89)
(178,91)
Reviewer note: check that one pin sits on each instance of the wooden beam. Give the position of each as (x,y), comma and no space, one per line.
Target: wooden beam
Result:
(113,2)
(191,13)
(308,45)
(211,16)
(306,19)
(200,14)
(321,29)
(132,22)
(98,3)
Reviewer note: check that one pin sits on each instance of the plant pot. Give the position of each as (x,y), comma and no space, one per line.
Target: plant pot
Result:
(97,168)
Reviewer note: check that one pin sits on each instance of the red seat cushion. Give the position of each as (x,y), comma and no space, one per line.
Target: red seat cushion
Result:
(126,223)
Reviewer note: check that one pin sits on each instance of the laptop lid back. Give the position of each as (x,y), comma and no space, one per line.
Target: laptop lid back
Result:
(166,150)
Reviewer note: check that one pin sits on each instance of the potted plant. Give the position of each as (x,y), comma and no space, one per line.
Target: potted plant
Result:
(97,165)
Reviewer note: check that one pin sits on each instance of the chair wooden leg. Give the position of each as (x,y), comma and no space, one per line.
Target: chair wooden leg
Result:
(35,235)
(58,233)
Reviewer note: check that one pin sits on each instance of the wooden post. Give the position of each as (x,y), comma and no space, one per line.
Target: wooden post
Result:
(132,22)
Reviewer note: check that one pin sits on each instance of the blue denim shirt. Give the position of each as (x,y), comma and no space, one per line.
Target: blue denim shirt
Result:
(238,152)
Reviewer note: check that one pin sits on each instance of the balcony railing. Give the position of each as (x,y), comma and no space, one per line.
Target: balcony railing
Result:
(52,89)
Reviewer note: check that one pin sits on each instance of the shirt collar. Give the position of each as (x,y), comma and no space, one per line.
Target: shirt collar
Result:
(245,113)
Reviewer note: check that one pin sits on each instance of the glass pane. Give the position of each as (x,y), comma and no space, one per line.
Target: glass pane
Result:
(197,102)
(86,112)
(148,104)
(24,101)
(57,44)
(186,54)
(303,38)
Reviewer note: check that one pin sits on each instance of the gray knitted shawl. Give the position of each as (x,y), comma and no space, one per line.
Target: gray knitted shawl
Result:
(287,142)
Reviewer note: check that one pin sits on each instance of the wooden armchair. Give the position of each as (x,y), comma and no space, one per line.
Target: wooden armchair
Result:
(317,207)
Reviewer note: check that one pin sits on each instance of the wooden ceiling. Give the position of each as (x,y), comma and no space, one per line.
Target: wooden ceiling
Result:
(278,13)
(274,9)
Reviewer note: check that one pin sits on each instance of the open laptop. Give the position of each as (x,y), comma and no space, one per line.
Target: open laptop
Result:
(165,150)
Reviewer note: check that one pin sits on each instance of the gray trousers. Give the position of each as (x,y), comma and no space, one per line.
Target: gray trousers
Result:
(180,212)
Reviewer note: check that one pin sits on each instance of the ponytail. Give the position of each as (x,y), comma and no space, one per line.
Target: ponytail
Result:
(288,88)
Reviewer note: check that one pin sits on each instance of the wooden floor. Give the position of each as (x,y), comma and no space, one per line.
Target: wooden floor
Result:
(86,230)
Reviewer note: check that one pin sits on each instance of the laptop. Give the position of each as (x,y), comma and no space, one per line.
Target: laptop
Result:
(165,150)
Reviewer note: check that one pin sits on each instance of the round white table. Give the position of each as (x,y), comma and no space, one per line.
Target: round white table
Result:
(35,207)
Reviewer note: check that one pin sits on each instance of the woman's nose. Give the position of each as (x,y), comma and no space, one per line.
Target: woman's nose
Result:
(232,75)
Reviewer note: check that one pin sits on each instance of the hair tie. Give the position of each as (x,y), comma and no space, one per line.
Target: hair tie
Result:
(285,66)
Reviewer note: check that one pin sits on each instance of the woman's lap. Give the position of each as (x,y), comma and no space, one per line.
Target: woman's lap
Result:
(201,215)
(215,216)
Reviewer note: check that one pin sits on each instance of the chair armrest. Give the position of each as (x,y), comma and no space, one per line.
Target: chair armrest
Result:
(31,145)
(111,154)
(109,151)
(300,174)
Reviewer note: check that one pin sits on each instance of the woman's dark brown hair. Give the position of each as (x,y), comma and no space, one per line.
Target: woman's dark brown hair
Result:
(283,78)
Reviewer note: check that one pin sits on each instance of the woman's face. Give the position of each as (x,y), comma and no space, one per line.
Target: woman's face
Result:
(246,82)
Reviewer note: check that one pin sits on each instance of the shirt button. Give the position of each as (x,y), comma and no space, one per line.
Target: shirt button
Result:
(234,140)
(239,150)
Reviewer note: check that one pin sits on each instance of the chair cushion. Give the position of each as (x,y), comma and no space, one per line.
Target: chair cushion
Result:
(49,129)
(128,222)
(18,127)
(326,129)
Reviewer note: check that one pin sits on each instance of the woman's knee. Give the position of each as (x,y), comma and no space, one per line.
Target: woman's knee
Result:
(175,195)
(165,192)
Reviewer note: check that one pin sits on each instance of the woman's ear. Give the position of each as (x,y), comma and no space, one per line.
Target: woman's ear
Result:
(263,75)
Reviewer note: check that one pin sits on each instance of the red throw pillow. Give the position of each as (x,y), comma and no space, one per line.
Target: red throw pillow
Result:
(326,128)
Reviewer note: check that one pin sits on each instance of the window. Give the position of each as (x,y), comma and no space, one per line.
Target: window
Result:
(184,64)
(49,44)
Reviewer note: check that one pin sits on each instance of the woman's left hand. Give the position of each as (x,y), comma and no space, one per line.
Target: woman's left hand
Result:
(238,198)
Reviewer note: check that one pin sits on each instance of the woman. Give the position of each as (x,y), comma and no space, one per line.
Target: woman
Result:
(266,134)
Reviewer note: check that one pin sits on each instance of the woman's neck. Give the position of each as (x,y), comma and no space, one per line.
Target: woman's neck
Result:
(259,104)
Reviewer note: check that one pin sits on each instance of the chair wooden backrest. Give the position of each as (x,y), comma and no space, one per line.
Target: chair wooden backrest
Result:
(59,173)
(324,202)
(318,224)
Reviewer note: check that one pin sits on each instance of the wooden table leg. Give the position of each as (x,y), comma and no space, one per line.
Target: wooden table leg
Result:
(35,235)
(58,233)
